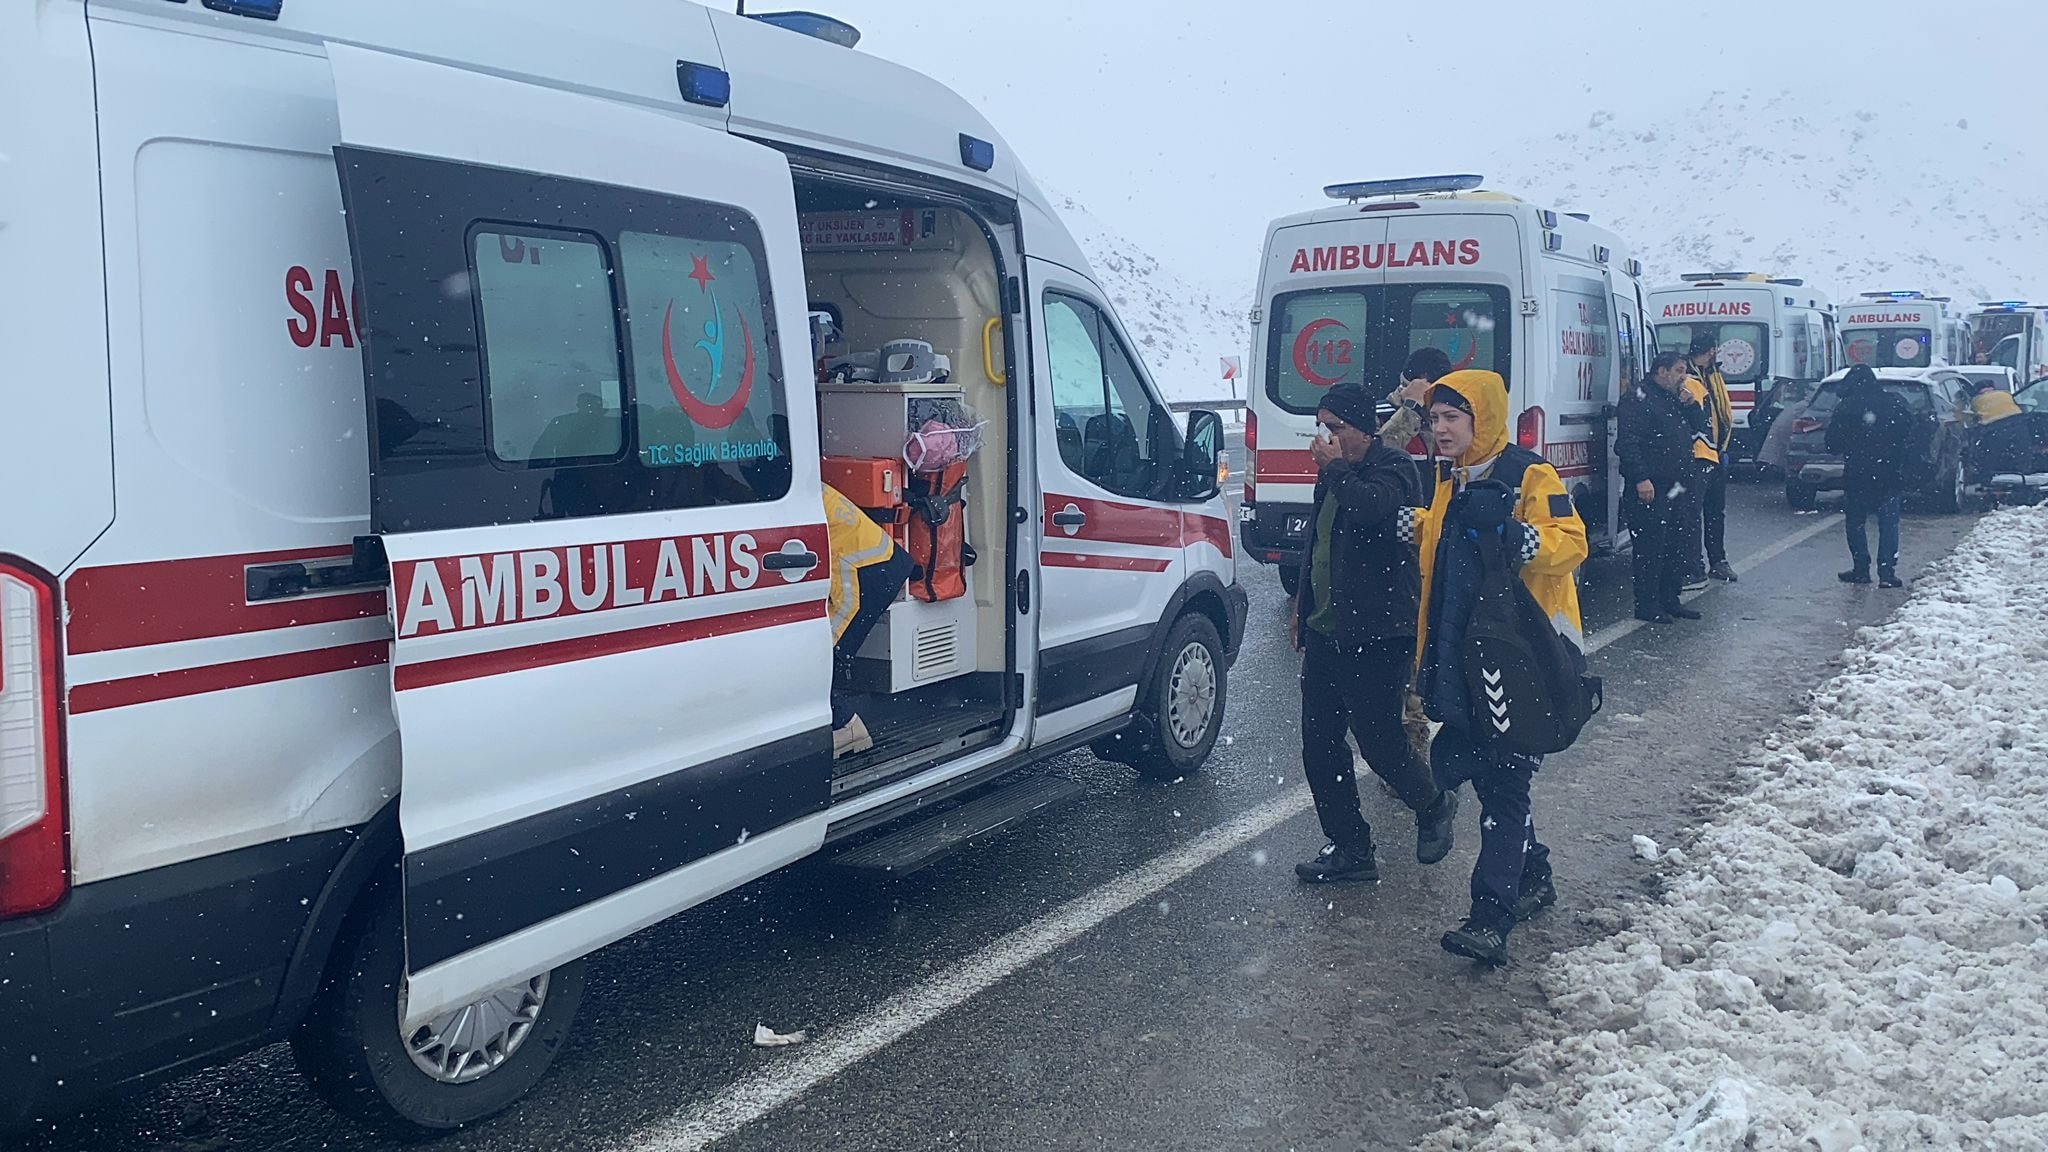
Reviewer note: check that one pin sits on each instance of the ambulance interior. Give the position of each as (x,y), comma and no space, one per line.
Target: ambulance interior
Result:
(894,272)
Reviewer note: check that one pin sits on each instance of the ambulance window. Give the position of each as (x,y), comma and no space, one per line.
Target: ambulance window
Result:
(1465,321)
(1320,339)
(707,390)
(550,347)
(1110,429)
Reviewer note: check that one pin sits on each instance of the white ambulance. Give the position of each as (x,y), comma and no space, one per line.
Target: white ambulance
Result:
(1903,329)
(415,569)
(2013,333)
(1550,301)
(1775,336)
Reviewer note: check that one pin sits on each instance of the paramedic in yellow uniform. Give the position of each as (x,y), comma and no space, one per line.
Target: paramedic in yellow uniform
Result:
(1709,389)
(868,573)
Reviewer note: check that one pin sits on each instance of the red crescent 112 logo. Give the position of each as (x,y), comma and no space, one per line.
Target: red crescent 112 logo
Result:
(702,409)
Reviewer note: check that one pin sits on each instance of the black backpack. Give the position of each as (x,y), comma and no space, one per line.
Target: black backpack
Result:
(1529,688)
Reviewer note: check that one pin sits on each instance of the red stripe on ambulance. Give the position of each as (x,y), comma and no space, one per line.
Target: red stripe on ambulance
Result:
(167,601)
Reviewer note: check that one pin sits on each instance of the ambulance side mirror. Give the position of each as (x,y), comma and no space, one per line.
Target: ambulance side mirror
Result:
(1201,470)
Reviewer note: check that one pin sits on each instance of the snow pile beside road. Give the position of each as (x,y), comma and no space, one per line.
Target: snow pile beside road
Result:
(1853,955)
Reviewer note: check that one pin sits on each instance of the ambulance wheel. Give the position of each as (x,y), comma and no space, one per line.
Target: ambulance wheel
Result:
(1290,579)
(1802,497)
(452,1071)
(1185,700)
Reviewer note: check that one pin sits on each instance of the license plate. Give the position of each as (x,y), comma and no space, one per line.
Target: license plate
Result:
(1296,525)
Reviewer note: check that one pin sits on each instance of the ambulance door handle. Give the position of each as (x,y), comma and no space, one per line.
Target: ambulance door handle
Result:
(790,561)
(1069,517)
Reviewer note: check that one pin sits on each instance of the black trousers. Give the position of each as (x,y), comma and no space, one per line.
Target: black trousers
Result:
(1662,539)
(1357,692)
(880,584)
(1714,513)
(1510,856)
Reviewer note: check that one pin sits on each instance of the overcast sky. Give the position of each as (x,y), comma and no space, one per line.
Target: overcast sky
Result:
(1187,125)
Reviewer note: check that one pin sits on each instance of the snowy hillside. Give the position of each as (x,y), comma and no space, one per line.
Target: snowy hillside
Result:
(1853,197)
(1183,331)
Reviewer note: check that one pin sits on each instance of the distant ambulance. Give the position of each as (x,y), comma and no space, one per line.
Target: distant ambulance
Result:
(1550,301)
(2013,333)
(1903,330)
(1775,336)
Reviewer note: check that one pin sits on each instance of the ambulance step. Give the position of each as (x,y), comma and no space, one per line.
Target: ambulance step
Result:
(913,846)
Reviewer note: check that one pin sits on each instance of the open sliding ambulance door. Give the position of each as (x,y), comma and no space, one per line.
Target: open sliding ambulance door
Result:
(599,502)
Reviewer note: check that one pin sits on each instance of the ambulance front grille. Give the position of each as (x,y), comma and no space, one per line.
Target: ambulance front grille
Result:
(935,652)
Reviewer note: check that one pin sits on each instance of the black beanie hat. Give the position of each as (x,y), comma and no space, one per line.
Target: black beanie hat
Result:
(1703,341)
(1349,403)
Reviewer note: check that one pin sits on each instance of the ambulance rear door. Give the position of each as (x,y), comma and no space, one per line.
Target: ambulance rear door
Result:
(1456,281)
(1582,391)
(1317,322)
(600,506)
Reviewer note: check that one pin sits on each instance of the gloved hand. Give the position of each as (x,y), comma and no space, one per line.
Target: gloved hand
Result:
(1485,506)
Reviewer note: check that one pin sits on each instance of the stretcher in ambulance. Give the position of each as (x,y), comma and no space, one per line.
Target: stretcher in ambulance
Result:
(415,573)
(1775,340)
(1548,300)
(1903,329)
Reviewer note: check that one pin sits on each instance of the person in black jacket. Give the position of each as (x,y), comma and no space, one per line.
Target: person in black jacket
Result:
(1871,431)
(1354,621)
(1654,438)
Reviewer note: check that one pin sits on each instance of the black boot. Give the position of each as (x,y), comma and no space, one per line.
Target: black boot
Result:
(1679,611)
(1475,939)
(1538,893)
(1724,572)
(1652,616)
(1855,576)
(1333,865)
(1889,579)
(1435,828)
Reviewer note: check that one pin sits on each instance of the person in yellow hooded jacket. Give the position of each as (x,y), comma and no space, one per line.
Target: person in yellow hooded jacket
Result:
(1486,484)
(868,573)
(1707,388)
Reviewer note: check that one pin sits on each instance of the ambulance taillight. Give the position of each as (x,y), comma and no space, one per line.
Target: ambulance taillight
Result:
(1251,431)
(34,871)
(1529,430)
(1250,496)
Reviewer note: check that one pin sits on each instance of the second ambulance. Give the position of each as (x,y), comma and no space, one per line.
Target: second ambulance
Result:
(1550,301)
(1903,329)
(1775,337)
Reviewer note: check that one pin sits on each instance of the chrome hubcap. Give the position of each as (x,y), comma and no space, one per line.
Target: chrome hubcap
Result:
(1191,695)
(475,1040)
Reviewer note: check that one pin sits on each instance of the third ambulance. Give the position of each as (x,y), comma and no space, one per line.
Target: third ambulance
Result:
(1774,337)
(414,422)
(1903,329)
(2013,333)
(1549,300)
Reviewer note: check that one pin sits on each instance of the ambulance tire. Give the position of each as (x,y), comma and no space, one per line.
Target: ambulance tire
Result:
(350,1048)
(1290,579)
(1191,661)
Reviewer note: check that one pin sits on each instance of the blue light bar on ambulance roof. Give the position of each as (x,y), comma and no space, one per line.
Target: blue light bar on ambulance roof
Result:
(2008,305)
(813,25)
(260,9)
(1406,186)
(1901,295)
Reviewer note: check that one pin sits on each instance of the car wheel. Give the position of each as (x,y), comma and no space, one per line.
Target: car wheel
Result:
(1185,700)
(1290,579)
(1802,497)
(1949,493)
(450,1072)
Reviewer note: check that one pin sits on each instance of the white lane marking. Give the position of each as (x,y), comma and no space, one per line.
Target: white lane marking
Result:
(847,1044)
(1756,559)
(761,1093)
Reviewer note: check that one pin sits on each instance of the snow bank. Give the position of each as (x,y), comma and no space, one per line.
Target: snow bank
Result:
(1854,956)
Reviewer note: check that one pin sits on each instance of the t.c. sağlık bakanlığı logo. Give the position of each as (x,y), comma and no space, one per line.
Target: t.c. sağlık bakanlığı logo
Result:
(702,409)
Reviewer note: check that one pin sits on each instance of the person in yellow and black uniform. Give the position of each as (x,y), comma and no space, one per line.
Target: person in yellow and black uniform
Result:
(1709,389)
(1485,484)
(868,573)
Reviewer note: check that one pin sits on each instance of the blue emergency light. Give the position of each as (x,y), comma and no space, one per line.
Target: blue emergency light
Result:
(979,155)
(1406,186)
(1901,295)
(704,84)
(2008,305)
(813,25)
(260,9)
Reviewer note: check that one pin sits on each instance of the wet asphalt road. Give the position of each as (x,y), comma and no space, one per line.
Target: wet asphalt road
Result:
(1231,1009)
